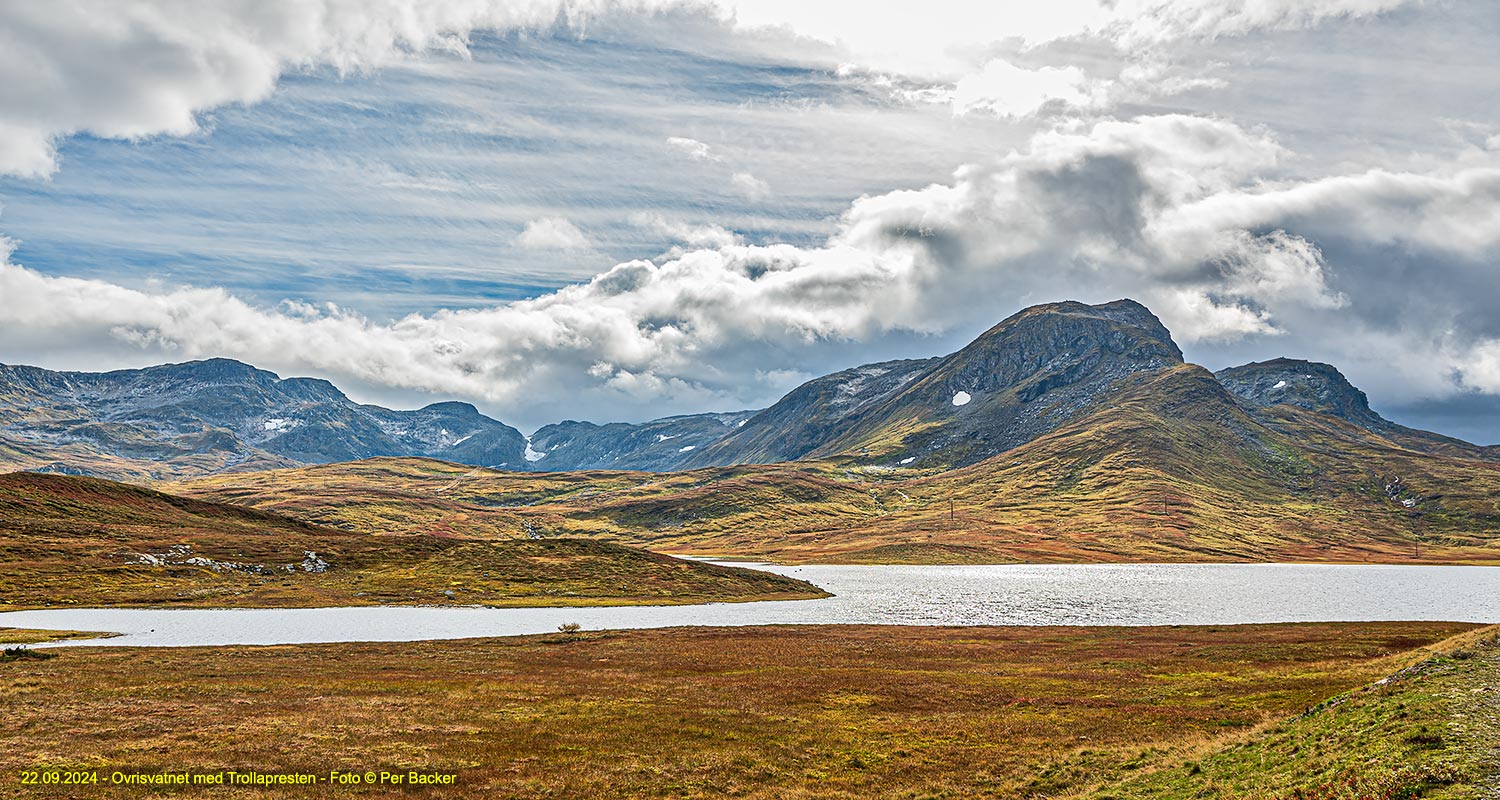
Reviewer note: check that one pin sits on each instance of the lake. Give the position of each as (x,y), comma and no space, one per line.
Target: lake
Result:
(1073,594)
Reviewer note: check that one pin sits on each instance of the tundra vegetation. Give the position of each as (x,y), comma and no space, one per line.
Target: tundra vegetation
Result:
(73,541)
(1308,710)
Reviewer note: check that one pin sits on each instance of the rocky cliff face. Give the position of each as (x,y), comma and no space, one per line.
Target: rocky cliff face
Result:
(1305,384)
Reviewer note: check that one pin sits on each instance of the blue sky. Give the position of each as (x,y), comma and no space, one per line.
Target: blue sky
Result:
(772,191)
(404,189)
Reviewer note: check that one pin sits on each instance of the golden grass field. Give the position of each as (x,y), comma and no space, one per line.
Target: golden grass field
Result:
(68,541)
(777,712)
(10,636)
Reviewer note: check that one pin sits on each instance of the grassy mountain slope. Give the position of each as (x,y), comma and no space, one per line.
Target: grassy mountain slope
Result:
(733,507)
(1430,730)
(68,540)
(1167,467)
(1172,469)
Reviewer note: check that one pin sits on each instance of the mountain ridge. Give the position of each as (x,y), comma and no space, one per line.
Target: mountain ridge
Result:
(218,414)
(1032,373)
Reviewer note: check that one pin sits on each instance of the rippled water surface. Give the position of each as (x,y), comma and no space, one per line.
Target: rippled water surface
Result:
(1092,594)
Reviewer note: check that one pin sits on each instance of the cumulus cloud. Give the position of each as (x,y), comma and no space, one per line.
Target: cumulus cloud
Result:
(552,233)
(1173,210)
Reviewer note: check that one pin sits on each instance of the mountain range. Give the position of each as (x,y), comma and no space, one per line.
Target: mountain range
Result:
(1027,376)
(1067,432)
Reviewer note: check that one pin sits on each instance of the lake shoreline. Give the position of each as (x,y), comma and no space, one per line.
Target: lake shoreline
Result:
(947,596)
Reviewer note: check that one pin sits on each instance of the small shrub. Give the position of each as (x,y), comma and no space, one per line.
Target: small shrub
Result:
(1425,738)
(18,653)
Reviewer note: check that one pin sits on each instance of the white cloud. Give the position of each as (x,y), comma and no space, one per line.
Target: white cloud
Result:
(750,186)
(692,148)
(1457,212)
(1138,22)
(137,68)
(552,233)
(937,38)
(82,67)
(1007,90)
(1481,368)
(697,236)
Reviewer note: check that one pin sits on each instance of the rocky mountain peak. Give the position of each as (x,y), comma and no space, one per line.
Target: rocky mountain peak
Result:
(1306,384)
(211,370)
(1124,326)
(1049,346)
(452,407)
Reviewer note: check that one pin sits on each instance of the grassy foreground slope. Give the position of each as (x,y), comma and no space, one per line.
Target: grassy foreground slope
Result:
(1430,730)
(779,712)
(1170,469)
(81,541)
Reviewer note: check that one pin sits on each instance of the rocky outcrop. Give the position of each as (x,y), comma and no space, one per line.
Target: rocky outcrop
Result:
(1305,384)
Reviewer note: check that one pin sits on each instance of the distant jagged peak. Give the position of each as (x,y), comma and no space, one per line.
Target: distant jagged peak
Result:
(1312,385)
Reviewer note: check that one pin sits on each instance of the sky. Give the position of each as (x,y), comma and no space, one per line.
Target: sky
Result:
(623,210)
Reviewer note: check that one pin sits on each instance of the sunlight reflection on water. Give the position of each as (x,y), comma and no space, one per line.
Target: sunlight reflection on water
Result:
(1089,594)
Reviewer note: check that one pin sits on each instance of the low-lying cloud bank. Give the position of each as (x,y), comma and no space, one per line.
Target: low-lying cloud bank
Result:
(1186,214)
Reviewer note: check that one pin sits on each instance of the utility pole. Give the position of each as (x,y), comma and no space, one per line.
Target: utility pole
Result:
(950,509)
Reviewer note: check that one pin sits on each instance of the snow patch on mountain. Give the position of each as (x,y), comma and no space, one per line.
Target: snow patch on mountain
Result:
(533,454)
